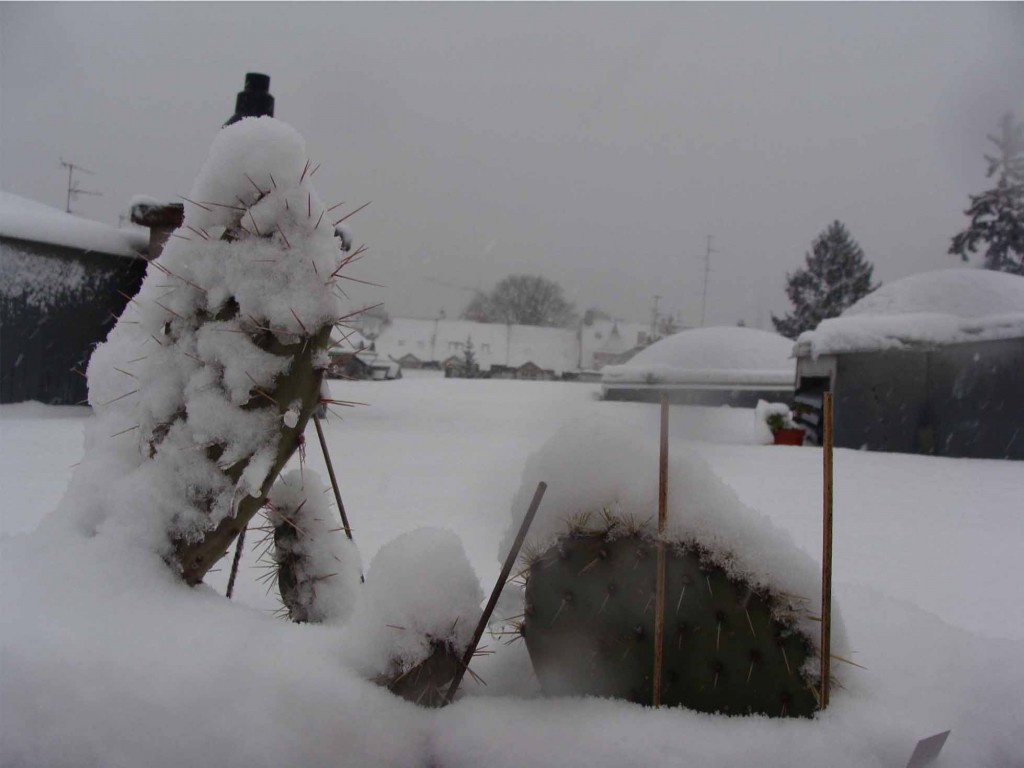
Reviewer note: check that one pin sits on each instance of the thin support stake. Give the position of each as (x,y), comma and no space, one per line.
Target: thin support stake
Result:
(513,555)
(826,556)
(334,480)
(239,546)
(659,603)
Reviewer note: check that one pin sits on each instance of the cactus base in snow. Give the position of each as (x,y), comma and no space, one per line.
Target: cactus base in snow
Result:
(426,683)
(589,628)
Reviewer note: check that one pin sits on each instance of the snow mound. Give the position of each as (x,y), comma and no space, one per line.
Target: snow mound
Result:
(725,355)
(949,306)
(592,467)
(420,587)
(25,219)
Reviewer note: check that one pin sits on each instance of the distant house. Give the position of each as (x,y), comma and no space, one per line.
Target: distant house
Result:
(501,350)
(610,342)
(63,283)
(353,356)
(932,364)
(707,366)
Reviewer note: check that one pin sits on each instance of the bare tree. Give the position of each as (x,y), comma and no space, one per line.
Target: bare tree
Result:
(523,300)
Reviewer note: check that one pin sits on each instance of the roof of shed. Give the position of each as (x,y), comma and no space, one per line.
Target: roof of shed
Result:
(24,219)
(949,306)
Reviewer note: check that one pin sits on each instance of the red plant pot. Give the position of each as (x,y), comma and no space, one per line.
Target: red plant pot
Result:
(792,436)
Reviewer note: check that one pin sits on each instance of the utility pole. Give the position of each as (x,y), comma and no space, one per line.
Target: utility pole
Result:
(707,272)
(73,188)
(654,318)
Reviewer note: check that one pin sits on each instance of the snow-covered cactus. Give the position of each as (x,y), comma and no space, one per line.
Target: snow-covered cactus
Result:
(589,627)
(416,614)
(316,567)
(740,633)
(204,387)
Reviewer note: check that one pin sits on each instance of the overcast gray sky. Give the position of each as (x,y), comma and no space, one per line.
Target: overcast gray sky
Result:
(596,144)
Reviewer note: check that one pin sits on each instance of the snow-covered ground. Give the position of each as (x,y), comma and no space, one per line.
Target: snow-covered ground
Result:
(108,660)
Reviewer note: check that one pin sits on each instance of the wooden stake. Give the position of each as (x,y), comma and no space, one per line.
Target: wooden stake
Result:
(239,545)
(513,555)
(826,555)
(334,480)
(659,603)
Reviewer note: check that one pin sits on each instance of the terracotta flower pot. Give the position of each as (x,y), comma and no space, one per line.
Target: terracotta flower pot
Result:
(791,436)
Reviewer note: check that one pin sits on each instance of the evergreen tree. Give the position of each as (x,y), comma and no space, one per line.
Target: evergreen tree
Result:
(469,365)
(997,215)
(836,275)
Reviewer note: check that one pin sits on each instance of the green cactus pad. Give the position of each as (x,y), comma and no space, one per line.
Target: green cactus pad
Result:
(589,629)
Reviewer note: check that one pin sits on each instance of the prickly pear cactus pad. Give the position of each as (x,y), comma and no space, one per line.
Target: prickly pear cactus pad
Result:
(741,634)
(415,615)
(202,390)
(316,567)
(589,626)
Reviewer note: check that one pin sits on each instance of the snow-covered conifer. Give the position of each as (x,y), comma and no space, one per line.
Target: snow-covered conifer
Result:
(997,215)
(835,276)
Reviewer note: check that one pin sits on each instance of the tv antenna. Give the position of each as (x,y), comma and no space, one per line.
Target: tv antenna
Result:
(73,188)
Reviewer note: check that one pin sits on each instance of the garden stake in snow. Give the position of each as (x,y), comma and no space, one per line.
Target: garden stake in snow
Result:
(506,569)
(334,480)
(659,603)
(826,556)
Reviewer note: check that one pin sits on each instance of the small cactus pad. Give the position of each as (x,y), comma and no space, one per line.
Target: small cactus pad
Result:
(426,683)
(589,629)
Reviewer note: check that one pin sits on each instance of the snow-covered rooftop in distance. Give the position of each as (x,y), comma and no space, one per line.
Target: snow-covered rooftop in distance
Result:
(728,355)
(949,306)
(26,219)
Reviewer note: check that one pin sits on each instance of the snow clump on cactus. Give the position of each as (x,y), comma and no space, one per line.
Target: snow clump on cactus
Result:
(204,386)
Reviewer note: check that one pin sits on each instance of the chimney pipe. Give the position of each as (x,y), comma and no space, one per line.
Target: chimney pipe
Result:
(254,100)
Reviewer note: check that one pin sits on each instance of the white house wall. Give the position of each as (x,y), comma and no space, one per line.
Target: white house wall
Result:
(434,341)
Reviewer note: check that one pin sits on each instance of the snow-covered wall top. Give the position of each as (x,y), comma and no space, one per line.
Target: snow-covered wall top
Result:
(949,306)
(726,355)
(28,220)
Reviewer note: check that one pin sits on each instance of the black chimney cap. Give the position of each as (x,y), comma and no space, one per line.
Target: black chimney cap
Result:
(255,100)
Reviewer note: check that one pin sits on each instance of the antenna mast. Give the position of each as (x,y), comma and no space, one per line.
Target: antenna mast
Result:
(73,188)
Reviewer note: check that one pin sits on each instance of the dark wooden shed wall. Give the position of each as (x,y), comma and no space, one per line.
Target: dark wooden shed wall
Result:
(962,400)
(42,341)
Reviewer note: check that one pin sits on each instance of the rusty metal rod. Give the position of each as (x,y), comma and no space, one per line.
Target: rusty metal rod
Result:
(510,560)
(334,480)
(826,555)
(659,603)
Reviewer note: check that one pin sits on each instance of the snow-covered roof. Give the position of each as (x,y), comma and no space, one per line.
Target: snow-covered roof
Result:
(949,306)
(712,356)
(610,337)
(26,219)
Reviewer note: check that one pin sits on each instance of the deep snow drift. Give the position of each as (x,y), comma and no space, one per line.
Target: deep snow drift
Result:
(109,660)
